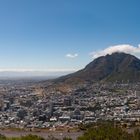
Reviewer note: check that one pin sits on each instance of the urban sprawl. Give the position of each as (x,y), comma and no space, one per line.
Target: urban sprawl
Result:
(27,107)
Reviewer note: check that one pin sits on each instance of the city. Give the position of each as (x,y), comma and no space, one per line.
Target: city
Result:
(27,107)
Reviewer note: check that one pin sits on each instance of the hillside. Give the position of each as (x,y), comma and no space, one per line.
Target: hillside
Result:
(109,68)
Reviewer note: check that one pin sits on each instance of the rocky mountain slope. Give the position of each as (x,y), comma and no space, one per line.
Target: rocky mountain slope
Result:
(109,68)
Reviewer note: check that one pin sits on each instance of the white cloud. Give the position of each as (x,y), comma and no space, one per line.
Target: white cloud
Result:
(126,48)
(71,55)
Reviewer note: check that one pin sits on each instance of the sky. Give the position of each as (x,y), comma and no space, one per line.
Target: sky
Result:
(65,35)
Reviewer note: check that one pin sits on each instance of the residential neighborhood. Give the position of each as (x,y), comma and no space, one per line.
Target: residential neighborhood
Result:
(26,107)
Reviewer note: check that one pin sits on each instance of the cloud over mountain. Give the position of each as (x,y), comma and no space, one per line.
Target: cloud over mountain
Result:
(126,48)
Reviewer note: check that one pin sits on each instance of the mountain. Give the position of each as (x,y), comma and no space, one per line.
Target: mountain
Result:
(110,68)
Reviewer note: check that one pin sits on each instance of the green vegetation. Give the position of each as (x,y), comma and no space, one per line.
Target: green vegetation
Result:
(108,132)
(29,137)
(67,139)
(105,131)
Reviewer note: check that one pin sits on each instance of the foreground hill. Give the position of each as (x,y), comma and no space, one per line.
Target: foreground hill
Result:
(109,68)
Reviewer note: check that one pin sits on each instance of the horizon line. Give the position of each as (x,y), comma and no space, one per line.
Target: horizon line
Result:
(37,70)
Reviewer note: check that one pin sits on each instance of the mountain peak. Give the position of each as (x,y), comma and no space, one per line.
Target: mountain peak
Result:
(118,66)
(117,54)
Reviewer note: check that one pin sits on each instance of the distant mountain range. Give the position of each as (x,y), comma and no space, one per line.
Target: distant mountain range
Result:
(110,68)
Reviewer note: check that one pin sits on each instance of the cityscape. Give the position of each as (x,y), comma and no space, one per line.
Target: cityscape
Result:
(28,107)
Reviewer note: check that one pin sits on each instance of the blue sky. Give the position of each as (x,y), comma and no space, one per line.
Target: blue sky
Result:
(61,34)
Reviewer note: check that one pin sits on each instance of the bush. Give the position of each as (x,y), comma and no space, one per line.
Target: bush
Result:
(67,138)
(29,137)
(109,132)
(2,137)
